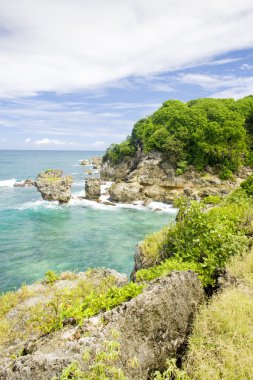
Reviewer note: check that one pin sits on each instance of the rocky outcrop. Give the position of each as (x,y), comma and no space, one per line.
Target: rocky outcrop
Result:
(96,161)
(26,183)
(53,186)
(93,188)
(149,329)
(151,177)
(85,162)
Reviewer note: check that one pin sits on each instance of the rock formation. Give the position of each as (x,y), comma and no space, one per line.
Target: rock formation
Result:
(150,177)
(53,186)
(97,161)
(85,162)
(26,183)
(150,328)
(92,188)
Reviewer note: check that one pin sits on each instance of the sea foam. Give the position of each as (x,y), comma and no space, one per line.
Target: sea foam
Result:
(8,182)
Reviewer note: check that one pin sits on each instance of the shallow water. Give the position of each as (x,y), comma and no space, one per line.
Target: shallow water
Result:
(36,235)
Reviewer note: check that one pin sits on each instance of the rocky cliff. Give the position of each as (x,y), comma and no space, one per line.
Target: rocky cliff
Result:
(150,177)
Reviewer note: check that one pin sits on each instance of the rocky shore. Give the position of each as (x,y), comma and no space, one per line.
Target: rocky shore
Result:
(149,177)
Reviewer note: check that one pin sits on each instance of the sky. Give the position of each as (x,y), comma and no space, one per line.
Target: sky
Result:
(77,74)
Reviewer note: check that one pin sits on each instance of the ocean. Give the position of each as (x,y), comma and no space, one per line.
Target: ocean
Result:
(36,235)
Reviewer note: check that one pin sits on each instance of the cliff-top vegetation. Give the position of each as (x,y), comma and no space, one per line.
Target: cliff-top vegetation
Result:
(201,132)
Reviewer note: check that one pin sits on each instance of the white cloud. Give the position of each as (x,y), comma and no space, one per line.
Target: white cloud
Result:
(3,140)
(47,141)
(66,46)
(28,140)
(246,66)
(221,86)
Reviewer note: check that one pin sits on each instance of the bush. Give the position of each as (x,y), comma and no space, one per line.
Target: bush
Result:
(201,241)
(247,185)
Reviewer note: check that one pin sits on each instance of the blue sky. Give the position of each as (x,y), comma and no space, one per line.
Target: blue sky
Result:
(77,75)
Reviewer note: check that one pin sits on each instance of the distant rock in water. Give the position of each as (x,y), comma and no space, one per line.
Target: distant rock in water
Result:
(85,162)
(53,186)
(97,161)
(25,183)
(92,188)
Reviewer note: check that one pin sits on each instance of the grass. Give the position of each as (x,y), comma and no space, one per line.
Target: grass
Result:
(221,344)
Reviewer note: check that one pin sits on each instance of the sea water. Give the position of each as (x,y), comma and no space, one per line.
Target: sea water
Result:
(36,235)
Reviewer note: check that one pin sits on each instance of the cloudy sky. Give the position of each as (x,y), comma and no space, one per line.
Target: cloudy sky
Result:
(77,74)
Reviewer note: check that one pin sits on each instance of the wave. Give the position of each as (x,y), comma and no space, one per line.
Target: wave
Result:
(39,204)
(8,182)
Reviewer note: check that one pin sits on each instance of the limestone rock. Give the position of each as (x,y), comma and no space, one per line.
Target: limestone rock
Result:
(97,161)
(26,183)
(92,188)
(85,162)
(151,327)
(53,186)
(126,192)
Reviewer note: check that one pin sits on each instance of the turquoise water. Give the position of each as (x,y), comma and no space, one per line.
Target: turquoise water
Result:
(36,235)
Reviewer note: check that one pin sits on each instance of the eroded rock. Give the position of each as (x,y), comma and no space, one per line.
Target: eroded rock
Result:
(151,328)
(93,188)
(53,186)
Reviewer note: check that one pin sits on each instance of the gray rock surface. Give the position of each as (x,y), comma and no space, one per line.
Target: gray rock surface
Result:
(92,188)
(151,177)
(151,328)
(53,186)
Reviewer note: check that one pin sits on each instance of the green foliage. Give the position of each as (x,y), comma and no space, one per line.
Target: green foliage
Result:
(182,166)
(168,266)
(214,132)
(172,372)
(202,241)
(212,200)
(247,185)
(116,152)
(51,277)
(226,174)
(81,303)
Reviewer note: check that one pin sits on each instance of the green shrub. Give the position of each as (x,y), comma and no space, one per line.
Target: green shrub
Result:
(202,241)
(51,277)
(226,174)
(168,266)
(212,200)
(247,185)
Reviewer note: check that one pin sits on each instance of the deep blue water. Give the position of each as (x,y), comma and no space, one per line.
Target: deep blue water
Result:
(36,236)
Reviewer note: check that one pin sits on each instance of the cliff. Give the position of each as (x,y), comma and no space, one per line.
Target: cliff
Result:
(199,148)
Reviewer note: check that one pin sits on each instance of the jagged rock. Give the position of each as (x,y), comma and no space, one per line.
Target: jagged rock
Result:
(155,179)
(85,162)
(151,327)
(26,183)
(93,188)
(53,186)
(126,192)
(97,161)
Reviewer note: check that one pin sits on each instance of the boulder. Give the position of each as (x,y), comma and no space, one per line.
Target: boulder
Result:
(53,186)
(85,162)
(149,329)
(93,188)
(97,161)
(126,192)
(26,183)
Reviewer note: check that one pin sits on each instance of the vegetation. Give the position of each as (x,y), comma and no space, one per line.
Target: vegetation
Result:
(213,132)
(221,345)
(103,365)
(201,241)
(89,297)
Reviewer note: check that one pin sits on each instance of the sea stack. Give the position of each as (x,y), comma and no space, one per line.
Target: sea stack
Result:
(53,186)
